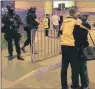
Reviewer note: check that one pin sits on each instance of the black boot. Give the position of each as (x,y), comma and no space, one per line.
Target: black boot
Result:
(65,87)
(78,87)
(10,57)
(19,57)
(23,49)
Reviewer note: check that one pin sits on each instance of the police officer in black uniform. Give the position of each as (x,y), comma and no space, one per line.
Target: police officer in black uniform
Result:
(32,24)
(11,23)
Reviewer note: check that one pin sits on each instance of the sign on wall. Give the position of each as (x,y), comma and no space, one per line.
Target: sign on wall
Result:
(48,7)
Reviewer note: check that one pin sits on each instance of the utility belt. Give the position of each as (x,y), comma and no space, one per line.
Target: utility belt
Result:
(9,28)
(30,27)
(13,28)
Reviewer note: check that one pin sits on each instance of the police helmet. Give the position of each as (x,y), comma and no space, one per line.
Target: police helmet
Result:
(10,8)
(47,15)
(32,9)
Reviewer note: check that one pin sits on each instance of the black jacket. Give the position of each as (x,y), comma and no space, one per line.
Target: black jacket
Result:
(31,20)
(11,26)
(80,35)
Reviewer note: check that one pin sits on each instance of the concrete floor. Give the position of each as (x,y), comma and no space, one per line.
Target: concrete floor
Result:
(26,75)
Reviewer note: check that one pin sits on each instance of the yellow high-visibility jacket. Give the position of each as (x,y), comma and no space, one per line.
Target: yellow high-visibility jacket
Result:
(67,31)
(46,21)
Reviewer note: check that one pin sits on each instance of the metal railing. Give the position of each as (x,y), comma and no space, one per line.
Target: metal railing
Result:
(44,47)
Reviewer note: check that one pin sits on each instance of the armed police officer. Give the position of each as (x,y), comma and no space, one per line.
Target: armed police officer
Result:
(32,25)
(11,23)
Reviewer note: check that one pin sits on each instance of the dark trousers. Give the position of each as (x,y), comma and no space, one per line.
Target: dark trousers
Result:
(28,40)
(46,32)
(59,31)
(69,55)
(83,72)
(16,38)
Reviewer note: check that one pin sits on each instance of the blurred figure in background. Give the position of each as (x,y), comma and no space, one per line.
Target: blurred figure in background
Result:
(60,23)
(11,26)
(31,28)
(55,22)
(46,24)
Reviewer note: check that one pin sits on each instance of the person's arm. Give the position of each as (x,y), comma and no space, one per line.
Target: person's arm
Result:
(18,19)
(85,28)
(37,20)
(79,23)
(58,18)
(4,19)
(89,27)
(62,27)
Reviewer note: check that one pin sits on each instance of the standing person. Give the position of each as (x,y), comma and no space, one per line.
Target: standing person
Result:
(69,51)
(46,24)
(81,41)
(11,23)
(55,22)
(60,20)
(60,23)
(32,25)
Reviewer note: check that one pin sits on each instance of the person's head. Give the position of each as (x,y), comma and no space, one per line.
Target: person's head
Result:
(11,9)
(79,16)
(84,17)
(73,12)
(47,15)
(32,10)
(55,13)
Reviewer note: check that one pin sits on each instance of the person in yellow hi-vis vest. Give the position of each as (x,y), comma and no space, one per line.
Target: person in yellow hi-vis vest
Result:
(46,24)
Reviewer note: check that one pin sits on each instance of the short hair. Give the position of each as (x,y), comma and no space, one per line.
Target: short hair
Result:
(72,11)
(47,14)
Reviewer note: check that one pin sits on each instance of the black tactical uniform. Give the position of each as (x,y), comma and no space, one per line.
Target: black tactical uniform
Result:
(31,25)
(11,23)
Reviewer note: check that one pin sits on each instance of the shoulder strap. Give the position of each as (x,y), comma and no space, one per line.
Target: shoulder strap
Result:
(89,34)
(91,39)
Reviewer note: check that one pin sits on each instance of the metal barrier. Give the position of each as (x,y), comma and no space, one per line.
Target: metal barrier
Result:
(45,46)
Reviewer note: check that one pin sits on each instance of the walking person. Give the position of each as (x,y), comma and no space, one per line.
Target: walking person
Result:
(47,24)
(81,41)
(69,51)
(11,26)
(31,28)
